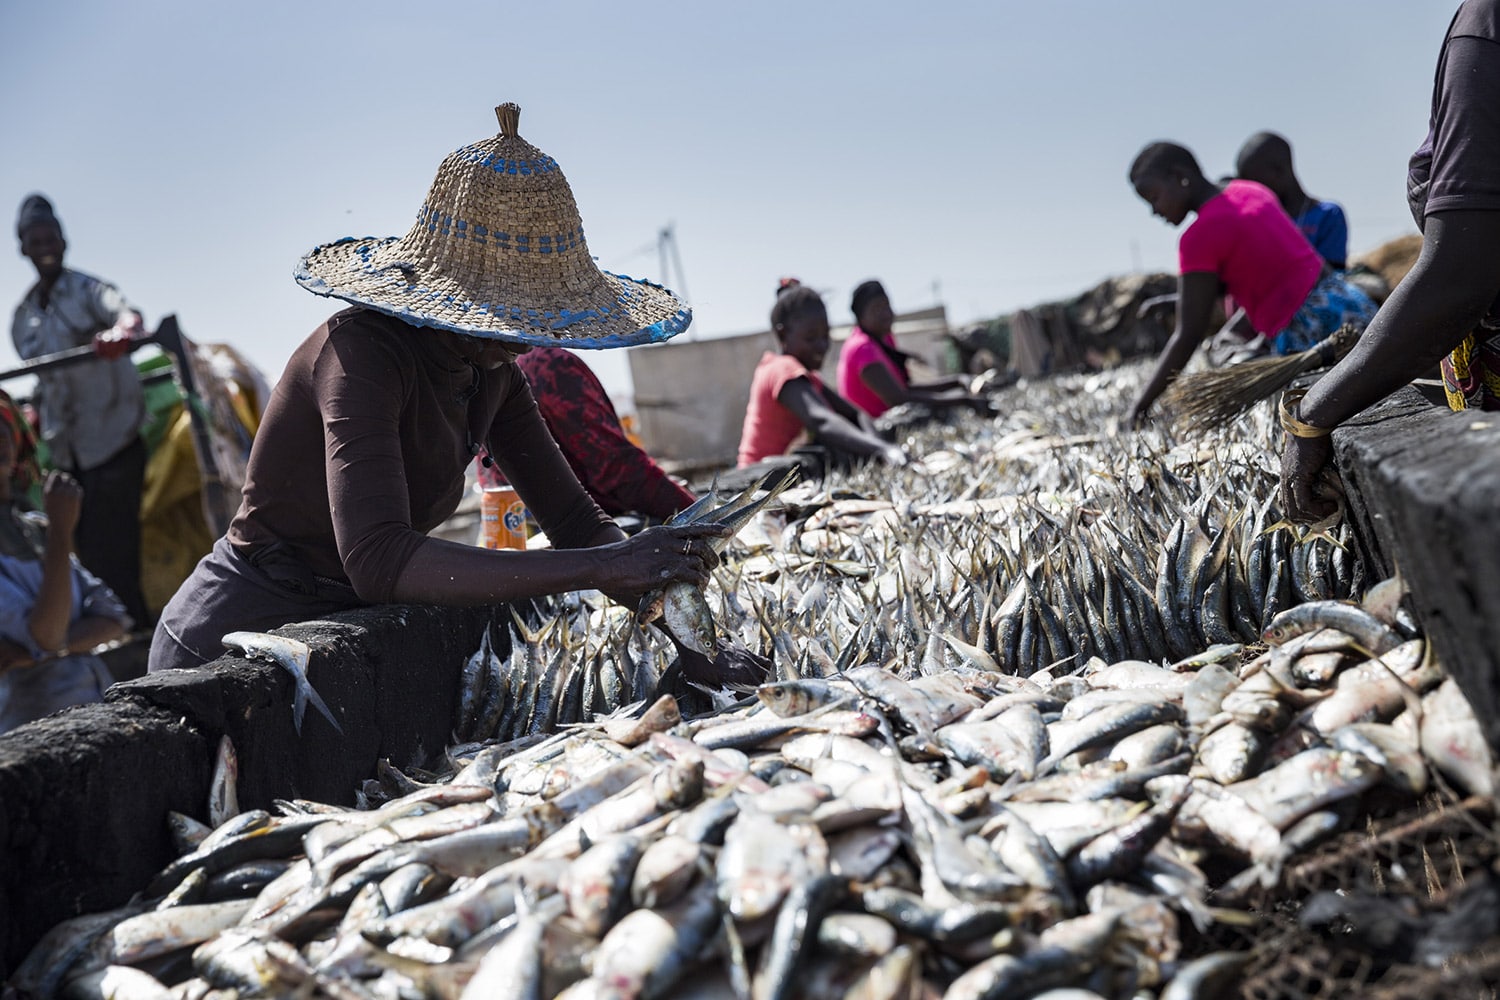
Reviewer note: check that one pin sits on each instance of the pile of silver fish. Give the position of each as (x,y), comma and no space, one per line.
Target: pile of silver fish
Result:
(941,792)
(1044,536)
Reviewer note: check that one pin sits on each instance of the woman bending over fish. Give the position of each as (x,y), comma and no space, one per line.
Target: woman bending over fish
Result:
(788,400)
(367,435)
(1241,243)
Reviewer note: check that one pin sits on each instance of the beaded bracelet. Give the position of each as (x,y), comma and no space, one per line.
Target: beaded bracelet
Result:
(1291,423)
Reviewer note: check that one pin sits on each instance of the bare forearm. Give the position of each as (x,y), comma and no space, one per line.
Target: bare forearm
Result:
(1174,357)
(1383,361)
(83,635)
(91,631)
(48,621)
(838,433)
(942,397)
(946,391)
(1425,318)
(450,573)
(959,382)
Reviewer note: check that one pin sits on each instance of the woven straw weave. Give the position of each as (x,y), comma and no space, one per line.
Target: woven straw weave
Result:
(497,251)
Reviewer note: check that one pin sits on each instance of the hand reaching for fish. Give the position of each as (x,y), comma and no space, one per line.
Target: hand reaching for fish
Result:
(661,555)
(1304,495)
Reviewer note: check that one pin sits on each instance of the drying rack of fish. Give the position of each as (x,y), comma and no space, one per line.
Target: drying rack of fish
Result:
(942,792)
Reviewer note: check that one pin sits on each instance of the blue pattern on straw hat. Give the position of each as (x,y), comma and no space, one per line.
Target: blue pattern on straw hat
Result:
(497,251)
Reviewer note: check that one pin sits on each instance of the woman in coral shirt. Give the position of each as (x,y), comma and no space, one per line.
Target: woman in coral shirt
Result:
(788,397)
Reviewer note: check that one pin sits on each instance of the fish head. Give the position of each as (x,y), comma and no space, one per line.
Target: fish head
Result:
(1276,635)
(774,696)
(702,637)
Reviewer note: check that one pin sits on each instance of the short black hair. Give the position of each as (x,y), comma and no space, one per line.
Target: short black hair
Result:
(794,301)
(1165,158)
(1264,145)
(35,210)
(865,293)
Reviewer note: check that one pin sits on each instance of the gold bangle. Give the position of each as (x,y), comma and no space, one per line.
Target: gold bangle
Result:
(1291,423)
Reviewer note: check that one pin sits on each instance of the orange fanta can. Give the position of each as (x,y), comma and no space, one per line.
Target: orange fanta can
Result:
(502,517)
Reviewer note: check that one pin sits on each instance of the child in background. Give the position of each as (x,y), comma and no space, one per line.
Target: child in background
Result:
(52,610)
(789,400)
(873,373)
(1266,158)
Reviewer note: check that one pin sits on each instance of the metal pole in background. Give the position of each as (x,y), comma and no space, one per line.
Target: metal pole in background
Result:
(216,509)
(669,242)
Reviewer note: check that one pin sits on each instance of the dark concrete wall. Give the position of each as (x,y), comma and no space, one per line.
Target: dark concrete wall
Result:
(1424,490)
(84,794)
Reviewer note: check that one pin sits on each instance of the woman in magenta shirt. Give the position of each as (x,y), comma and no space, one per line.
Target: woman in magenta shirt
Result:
(1241,243)
(873,373)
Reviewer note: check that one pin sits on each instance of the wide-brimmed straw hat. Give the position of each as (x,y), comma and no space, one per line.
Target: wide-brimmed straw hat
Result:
(497,251)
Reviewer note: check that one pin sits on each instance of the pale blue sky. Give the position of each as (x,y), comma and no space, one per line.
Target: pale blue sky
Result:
(973,151)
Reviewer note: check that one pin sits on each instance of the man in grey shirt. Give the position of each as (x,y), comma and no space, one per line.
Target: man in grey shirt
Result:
(91,411)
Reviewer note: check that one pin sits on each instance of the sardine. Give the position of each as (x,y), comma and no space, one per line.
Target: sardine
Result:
(294,657)
(1309,781)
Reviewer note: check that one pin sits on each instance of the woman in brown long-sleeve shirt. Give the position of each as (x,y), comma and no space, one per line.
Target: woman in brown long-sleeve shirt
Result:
(365,441)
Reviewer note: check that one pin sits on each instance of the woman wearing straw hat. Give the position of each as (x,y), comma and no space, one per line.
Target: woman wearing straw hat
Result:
(367,435)
(1242,242)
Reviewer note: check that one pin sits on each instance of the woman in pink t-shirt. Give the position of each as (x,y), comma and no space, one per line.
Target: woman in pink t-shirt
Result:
(788,397)
(872,371)
(1242,243)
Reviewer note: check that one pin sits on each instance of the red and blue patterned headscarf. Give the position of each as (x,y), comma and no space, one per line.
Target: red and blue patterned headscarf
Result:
(25,473)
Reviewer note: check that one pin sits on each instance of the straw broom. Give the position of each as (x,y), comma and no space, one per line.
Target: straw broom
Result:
(1212,398)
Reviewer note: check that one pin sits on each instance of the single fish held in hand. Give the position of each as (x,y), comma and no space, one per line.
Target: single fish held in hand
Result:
(683,605)
(293,656)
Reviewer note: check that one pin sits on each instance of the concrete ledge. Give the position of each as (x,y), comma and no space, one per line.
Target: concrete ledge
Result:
(1424,491)
(84,794)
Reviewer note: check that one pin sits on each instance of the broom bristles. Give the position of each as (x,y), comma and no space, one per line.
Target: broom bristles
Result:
(1212,398)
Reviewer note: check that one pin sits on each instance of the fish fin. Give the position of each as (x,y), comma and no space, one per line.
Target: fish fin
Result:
(306,694)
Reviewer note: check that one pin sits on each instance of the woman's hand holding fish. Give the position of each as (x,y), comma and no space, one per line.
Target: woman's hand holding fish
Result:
(662,555)
(1302,463)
